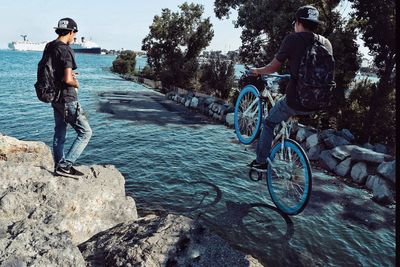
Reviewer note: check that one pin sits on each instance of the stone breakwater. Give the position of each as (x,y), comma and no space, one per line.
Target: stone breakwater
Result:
(48,220)
(368,166)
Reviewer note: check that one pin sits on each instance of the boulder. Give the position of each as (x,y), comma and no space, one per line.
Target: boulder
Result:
(343,168)
(312,140)
(327,161)
(332,141)
(381,191)
(388,170)
(195,102)
(230,119)
(34,153)
(368,155)
(380,148)
(302,134)
(371,181)
(346,134)
(31,243)
(167,240)
(187,103)
(359,173)
(43,217)
(368,146)
(314,152)
(342,152)
(326,133)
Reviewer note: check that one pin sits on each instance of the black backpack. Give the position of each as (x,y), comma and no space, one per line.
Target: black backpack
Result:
(315,82)
(47,88)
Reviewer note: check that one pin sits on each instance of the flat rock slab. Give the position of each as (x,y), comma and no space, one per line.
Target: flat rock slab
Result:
(368,155)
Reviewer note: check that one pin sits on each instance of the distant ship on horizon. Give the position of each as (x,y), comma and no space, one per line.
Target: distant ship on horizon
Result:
(82,46)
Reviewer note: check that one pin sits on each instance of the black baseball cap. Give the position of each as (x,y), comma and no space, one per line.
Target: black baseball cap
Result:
(67,24)
(308,13)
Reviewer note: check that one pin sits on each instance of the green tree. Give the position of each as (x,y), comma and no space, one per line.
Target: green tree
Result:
(217,77)
(125,62)
(175,41)
(376,22)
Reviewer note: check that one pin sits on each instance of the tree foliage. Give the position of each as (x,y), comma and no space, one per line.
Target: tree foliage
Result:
(266,22)
(125,62)
(217,77)
(175,41)
(376,22)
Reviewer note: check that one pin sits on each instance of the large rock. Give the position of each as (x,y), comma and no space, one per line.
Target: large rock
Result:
(54,208)
(312,140)
(302,134)
(380,148)
(230,119)
(31,243)
(327,161)
(380,189)
(195,102)
(343,168)
(161,241)
(359,173)
(388,170)
(342,152)
(346,134)
(15,151)
(368,155)
(332,141)
(314,152)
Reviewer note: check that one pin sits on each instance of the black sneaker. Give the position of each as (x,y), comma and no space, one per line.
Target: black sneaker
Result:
(262,167)
(68,171)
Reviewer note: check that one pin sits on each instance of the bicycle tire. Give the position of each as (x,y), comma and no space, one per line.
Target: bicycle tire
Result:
(285,175)
(247,127)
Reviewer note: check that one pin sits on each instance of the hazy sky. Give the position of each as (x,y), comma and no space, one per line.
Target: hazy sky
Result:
(111,24)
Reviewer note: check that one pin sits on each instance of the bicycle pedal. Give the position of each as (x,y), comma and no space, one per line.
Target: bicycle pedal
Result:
(259,170)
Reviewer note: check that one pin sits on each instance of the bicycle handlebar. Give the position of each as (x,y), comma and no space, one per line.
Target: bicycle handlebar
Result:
(265,77)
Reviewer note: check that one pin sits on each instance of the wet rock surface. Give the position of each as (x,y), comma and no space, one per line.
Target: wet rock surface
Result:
(166,240)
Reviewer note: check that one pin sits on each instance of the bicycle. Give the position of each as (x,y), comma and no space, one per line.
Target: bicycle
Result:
(289,175)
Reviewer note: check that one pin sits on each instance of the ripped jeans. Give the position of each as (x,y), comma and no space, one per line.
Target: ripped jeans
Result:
(72,114)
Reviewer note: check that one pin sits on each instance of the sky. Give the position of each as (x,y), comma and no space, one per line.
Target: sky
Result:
(111,24)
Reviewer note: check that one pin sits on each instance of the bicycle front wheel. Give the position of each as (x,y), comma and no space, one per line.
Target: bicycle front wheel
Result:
(248,114)
(289,177)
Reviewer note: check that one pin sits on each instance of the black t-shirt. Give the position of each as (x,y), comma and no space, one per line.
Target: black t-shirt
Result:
(63,57)
(293,48)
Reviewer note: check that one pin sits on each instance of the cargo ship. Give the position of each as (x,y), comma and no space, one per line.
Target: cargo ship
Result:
(82,46)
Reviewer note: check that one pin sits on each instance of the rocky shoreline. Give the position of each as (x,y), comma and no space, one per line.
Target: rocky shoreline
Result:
(48,220)
(367,166)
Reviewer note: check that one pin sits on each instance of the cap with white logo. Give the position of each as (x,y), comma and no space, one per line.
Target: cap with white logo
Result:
(309,13)
(67,24)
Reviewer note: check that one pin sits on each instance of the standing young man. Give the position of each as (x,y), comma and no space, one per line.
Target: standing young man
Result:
(293,48)
(67,109)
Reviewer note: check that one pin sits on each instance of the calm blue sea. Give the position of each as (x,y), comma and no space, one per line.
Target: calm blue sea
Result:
(199,171)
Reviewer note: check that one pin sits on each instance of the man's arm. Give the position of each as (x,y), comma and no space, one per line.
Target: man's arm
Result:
(272,67)
(69,78)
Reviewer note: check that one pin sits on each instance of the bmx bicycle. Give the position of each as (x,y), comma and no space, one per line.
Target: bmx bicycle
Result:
(288,176)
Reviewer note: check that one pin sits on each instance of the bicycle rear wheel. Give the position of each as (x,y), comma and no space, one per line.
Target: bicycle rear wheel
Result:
(289,177)
(248,114)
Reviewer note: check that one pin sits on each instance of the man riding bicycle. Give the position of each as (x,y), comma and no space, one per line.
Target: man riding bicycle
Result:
(293,48)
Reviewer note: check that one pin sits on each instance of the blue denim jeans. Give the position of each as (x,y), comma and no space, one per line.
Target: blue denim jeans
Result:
(280,112)
(72,114)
